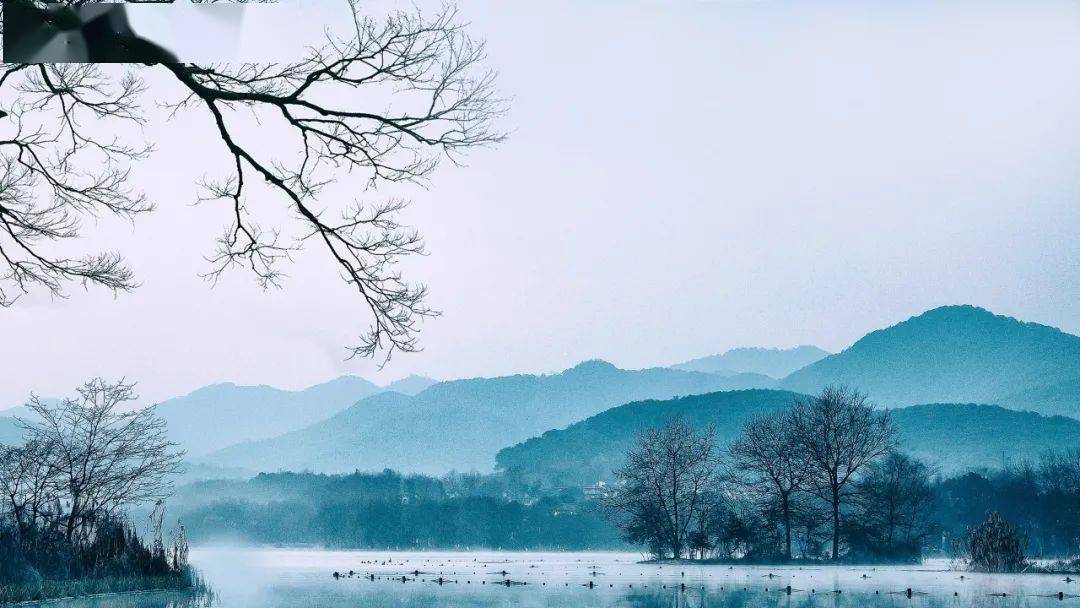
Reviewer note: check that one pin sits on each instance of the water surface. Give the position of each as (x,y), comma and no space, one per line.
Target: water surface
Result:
(279,578)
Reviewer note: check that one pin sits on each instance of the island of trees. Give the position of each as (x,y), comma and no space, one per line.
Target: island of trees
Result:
(64,493)
(824,481)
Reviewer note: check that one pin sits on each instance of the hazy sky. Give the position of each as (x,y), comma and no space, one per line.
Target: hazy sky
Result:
(682,178)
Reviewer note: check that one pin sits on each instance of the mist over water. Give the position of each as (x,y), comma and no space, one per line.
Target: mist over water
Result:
(272,578)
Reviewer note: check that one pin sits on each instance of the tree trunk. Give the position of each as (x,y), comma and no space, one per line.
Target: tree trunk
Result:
(787,526)
(836,524)
(72,517)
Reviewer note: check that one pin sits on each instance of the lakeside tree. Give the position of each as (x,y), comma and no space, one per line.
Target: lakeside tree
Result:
(385,101)
(27,481)
(65,490)
(842,433)
(665,486)
(894,506)
(771,465)
(100,457)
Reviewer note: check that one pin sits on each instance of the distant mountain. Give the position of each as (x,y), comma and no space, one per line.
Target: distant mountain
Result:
(461,424)
(773,362)
(976,436)
(20,410)
(410,385)
(1062,399)
(10,434)
(219,415)
(958,437)
(952,354)
(591,449)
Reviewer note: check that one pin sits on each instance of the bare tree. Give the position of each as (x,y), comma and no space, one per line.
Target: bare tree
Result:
(895,505)
(102,457)
(27,487)
(665,485)
(386,101)
(771,464)
(841,433)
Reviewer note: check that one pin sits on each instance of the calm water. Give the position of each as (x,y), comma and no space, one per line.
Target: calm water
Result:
(270,578)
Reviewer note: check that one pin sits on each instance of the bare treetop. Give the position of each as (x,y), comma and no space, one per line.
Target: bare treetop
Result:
(841,433)
(384,104)
(101,457)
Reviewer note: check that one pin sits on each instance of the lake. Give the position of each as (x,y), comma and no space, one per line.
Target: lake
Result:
(271,578)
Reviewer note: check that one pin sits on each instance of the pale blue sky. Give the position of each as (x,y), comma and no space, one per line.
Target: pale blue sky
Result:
(682,178)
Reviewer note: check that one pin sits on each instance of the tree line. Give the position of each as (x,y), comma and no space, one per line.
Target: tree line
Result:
(825,480)
(391,510)
(64,491)
(763,498)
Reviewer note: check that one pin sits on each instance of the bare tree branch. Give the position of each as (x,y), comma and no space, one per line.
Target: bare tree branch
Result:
(56,173)
(386,102)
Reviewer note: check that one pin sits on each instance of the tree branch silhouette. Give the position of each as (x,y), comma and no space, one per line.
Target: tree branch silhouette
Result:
(388,101)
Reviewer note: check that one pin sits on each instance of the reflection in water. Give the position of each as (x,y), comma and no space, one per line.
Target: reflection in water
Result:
(156,599)
(294,578)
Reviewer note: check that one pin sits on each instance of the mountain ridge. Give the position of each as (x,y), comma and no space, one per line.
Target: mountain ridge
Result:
(462,423)
(773,362)
(589,450)
(953,354)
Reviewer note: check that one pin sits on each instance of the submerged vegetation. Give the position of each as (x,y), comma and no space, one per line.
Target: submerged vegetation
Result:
(65,491)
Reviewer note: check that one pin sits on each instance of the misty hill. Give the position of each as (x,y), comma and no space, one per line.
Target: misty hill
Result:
(462,423)
(410,385)
(959,437)
(954,437)
(20,410)
(9,433)
(591,449)
(950,354)
(1062,399)
(773,362)
(219,415)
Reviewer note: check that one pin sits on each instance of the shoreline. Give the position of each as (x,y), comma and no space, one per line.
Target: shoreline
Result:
(48,591)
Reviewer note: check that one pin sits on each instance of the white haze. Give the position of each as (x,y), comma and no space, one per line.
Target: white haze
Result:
(682,178)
